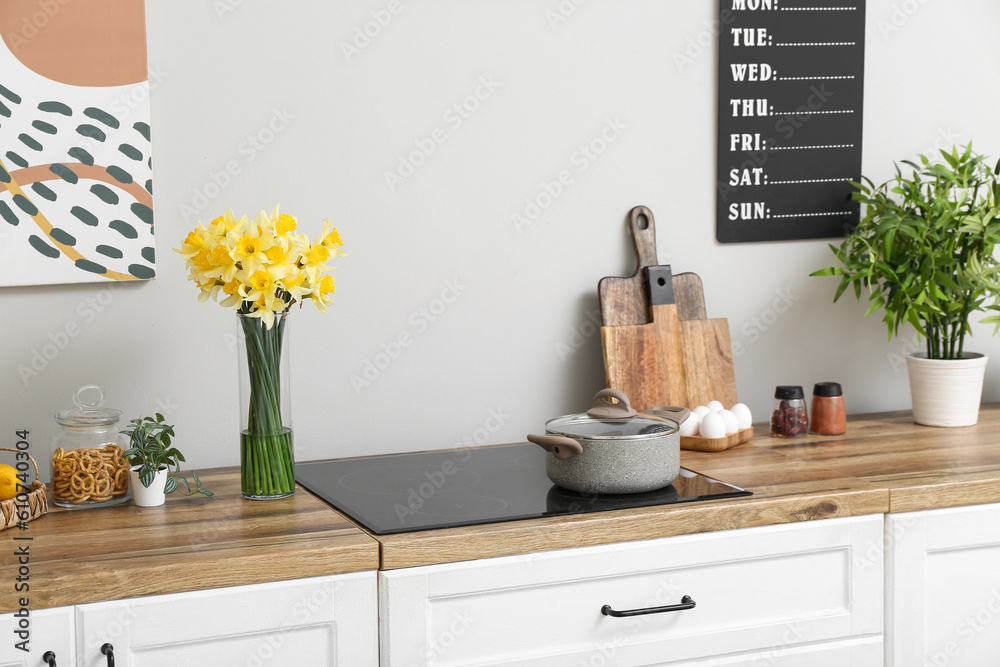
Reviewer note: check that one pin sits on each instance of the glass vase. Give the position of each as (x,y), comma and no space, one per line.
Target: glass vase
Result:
(266,454)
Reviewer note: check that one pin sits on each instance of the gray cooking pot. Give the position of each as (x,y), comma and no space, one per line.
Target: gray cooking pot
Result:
(611,449)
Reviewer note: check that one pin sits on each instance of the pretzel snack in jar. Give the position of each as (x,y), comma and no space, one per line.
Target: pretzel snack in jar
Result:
(88,469)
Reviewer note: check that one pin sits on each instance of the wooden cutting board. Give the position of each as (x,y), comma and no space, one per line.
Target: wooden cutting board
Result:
(706,347)
(646,360)
(626,300)
(667,333)
(690,296)
(708,362)
(667,352)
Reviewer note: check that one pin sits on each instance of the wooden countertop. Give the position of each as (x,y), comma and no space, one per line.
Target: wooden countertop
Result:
(884,463)
(190,543)
(923,467)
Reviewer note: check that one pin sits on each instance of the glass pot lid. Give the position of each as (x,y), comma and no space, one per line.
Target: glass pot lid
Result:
(611,421)
(88,411)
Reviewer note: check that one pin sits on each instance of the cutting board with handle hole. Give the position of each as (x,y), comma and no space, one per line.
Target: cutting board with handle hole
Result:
(659,346)
(626,300)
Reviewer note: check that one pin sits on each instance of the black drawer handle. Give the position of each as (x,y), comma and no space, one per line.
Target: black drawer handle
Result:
(109,650)
(49,658)
(686,603)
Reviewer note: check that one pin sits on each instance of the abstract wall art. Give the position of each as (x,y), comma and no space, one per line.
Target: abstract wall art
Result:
(76,188)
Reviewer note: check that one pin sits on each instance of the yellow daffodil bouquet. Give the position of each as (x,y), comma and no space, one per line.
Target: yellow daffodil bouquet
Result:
(260,268)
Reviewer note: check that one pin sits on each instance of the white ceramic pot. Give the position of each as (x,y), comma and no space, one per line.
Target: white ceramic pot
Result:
(946,392)
(152,496)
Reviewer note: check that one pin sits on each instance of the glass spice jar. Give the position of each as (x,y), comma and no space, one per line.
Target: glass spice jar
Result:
(789,420)
(828,414)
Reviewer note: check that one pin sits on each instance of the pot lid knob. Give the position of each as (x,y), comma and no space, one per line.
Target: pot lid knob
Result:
(605,409)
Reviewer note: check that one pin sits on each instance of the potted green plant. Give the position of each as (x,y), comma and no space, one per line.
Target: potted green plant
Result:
(924,252)
(150,458)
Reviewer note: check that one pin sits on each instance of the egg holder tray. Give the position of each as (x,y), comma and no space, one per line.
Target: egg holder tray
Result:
(14,512)
(696,443)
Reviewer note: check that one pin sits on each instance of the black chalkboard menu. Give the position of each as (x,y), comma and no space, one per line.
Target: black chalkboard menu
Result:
(791,81)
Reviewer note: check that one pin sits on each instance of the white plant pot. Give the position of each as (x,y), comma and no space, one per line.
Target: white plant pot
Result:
(152,496)
(946,392)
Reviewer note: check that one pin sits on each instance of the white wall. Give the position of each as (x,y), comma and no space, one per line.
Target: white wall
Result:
(225,76)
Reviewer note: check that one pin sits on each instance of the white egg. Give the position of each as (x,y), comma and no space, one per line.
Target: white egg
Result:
(701,411)
(732,423)
(743,415)
(713,426)
(716,406)
(690,425)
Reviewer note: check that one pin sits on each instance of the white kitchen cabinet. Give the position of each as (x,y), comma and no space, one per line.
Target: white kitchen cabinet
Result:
(761,594)
(50,630)
(943,587)
(319,621)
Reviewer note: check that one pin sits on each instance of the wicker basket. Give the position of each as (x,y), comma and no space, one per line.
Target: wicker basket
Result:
(38,501)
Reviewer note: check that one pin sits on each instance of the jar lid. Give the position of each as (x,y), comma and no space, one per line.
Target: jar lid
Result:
(788,392)
(88,413)
(827,389)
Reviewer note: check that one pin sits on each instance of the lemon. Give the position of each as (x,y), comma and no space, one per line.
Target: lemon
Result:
(8,482)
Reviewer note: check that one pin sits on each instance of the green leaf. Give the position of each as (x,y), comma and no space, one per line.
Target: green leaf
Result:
(171,485)
(924,247)
(875,305)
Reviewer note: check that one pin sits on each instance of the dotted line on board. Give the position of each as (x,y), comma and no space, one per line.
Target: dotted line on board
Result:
(799,148)
(811,180)
(812,78)
(809,215)
(796,113)
(815,43)
(818,9)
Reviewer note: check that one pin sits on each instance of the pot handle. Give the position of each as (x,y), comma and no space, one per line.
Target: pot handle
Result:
(673,412)
(603,408)
(560,446)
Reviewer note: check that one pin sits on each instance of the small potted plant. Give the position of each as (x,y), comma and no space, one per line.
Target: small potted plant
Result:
(924,253)
(150,457)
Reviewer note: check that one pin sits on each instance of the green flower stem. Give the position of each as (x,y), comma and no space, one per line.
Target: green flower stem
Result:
(266,444)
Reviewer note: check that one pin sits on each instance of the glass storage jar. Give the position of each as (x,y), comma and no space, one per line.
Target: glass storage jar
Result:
(88,469)
(789,419)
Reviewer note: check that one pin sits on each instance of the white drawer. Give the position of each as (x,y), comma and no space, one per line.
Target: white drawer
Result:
(865,652)
(754,589)
(328,620)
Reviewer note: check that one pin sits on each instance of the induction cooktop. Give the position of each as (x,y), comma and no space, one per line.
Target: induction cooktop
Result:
(401,493)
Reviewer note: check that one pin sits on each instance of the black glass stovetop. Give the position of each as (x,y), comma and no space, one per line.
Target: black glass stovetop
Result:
(401,493)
